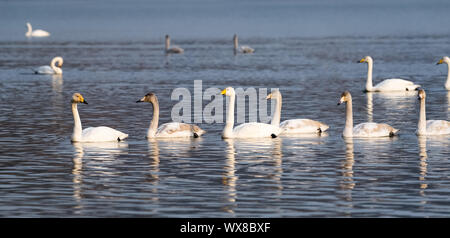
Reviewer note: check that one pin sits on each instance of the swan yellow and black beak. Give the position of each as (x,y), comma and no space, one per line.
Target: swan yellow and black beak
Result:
(84,101)
(441,61)
(223,92)
(269,96)
(342,100)
(362,60)
(141,100)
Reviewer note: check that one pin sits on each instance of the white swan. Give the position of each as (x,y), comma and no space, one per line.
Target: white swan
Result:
(91,134)
(245,130)
(35,33)
(174,49)
(430,127)
(294,126)
(243,49)
(387,84)
(171,129)
(367,129)
(446,60)
(52,69)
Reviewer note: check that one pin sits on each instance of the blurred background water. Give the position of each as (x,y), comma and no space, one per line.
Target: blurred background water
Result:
(113,55)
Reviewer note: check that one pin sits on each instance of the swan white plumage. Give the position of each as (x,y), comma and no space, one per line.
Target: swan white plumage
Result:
(293,126)
(91,134)
(367,129)
(430,127)
(52,69)
(35,33)
(171,129)
(243,49)
(387,84)
(446,60)
(245,130)
(174,49)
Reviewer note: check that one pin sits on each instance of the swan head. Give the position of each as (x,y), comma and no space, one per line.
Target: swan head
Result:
(59,60)
(274,95)
(444,59)
(421,95)
(149,97)
(78,98)
(366,59)
(228,92)
(345,97)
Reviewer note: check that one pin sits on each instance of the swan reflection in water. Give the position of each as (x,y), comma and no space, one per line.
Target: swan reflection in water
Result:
(422,141)
(399,100)
(97,157)
(347,166)
(243,151)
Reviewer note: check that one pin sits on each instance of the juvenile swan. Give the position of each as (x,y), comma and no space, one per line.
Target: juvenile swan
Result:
(243,49)
(294,126)
(174,49)
(91,134)
(367,129)
(430,127)
(446,60)
(52,69)
(171,129)
(387,84)
(246,130)
(35,33)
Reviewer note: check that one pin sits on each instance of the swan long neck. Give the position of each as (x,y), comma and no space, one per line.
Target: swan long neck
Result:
(235,40)
(447,83)
(228,130)
(154,123)
(77,129)
(55,68)
(167,43)
(277,114)
(348,129)
(422,125)
(30,29)
(369,84)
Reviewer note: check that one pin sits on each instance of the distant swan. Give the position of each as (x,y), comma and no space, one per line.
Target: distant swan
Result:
(174,49)
(245,130)
(446,60)
(294,126)
(367,129)
(91,134)
(35,33)
(52,69)
(387,84)
(171,129)
(430,127)
(243,49)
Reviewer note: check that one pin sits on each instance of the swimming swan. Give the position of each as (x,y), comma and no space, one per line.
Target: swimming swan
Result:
(91,134)
(446,60)
(245,130)
(367,129)
(430,127)
(52,69)
(35,33)
(243,49)
(294,126)
(171,129)
(172,50)
(387,84)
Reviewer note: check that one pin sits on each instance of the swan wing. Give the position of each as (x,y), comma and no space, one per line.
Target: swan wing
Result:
(39,33)
(438,127)
(176,129)
(256,130)
(370,129)
(396,85)
(44,70)
(102,133)
(175,50)
(247,49)
(295,126)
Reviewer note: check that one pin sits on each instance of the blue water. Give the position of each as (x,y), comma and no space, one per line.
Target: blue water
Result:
(113,55)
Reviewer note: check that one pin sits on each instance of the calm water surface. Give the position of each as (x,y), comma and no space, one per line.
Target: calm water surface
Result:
(43,174)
